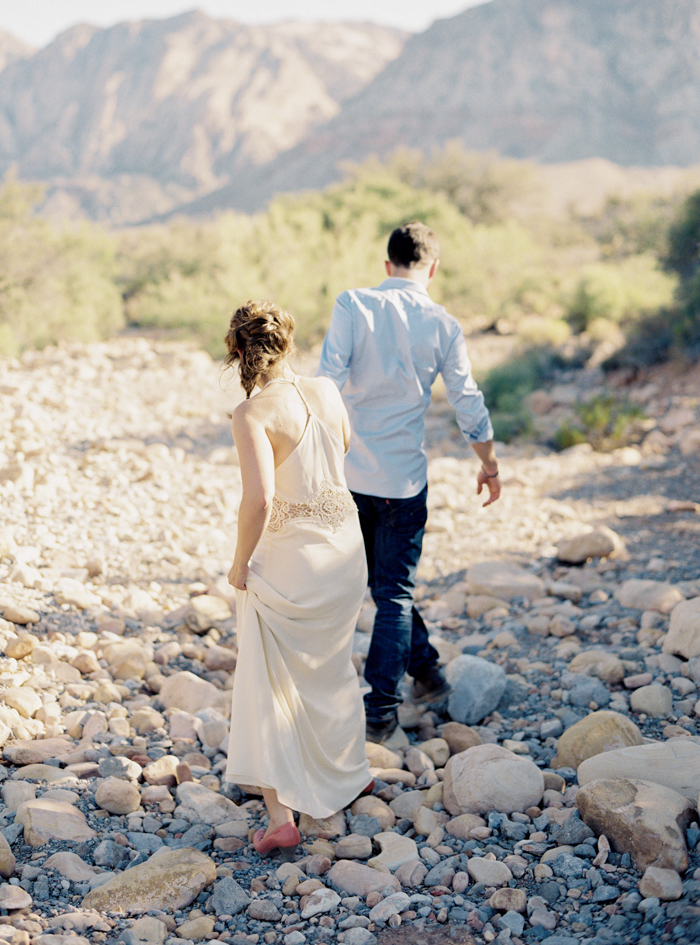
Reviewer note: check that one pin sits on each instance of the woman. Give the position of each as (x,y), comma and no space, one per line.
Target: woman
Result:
(297,722)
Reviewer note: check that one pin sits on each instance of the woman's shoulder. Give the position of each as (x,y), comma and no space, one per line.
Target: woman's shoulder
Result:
(246,413)
(321,385)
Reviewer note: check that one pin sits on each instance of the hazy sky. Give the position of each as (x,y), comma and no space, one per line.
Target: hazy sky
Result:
(39,21)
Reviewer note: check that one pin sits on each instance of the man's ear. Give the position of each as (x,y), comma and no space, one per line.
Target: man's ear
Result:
(433,268)
(387,266)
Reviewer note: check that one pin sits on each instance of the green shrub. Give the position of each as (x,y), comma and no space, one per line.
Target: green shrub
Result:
(683,253)
(55,284)
(505,388)
(623,292)
(605,422)
(673,330)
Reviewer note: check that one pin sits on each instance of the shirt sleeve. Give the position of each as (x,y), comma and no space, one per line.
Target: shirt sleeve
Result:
(336,352)
(462,392)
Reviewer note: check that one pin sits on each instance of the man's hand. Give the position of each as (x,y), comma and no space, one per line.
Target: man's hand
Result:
(492,483)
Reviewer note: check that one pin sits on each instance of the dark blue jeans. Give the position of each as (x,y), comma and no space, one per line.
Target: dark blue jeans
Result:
(393,533)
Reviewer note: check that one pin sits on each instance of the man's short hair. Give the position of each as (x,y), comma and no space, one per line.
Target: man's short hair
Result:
(413,244)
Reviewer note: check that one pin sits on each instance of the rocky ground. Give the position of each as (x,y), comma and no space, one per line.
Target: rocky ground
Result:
(553,797)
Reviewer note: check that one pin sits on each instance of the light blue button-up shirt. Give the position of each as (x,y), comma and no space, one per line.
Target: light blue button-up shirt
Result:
(384,348)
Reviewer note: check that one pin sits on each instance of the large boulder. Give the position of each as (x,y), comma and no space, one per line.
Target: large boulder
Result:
(599,731)
(641,818)
(28,751)
(674,763)
(459,737)
(488,777)
(649,595)
(355,879)
(503,580)
(46,820)
(395,850)
(477,688)
(7,859)
(600,663)
(597,543)
(188,692)
(167,881)
(683,637)
(199,805)
(654,700)
(118,796)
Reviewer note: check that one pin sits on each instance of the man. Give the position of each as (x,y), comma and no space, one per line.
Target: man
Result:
(384,348)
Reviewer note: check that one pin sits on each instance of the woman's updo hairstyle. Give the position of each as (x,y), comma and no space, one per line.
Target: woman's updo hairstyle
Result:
(259,335)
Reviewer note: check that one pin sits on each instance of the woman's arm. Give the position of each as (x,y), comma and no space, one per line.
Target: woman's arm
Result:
(258,478)
(347,432)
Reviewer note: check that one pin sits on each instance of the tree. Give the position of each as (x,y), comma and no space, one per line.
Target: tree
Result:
(55,284)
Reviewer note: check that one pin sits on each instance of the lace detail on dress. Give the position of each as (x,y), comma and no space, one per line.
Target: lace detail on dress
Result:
(330,507)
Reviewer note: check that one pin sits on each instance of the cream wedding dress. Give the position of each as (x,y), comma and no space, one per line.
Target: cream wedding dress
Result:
(297,717)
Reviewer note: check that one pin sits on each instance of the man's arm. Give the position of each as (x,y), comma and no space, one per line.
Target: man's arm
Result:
(336,352)
(472,414)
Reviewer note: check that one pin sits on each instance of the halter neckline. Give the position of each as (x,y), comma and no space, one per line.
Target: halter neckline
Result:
(275,380)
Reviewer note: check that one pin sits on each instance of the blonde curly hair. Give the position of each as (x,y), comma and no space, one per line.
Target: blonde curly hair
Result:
(259,335)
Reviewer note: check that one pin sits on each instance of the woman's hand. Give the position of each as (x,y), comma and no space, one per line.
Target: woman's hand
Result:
(237,576)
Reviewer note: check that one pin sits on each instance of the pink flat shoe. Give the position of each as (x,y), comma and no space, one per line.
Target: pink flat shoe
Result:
(284,841)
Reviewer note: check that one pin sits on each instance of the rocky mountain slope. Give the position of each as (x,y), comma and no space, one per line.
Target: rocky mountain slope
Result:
(554,80)
(12,49)
(556,790)
(155,112)
(195,114)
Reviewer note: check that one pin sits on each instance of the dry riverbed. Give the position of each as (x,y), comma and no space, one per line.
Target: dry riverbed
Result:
(553,797)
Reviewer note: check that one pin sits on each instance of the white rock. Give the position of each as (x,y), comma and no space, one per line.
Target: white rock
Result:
(395,850)
(204,806)
(503,580)
(490,872)
(654,700)
(15,793)
(488,777)
(71,866)
(600,663)
(14,897)
(26,701)
(392,905)
(118,796)
(44,821)
(205,612)
(674,763)
(69,591)
(661,884)
(319,901)
(649,595)
(683,637)
(188,692)
(597,543)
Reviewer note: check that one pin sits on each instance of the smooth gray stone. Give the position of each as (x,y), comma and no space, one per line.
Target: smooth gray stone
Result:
(228,897)
(477,688)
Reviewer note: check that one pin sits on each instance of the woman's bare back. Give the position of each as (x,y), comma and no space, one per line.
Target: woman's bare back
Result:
(283,414)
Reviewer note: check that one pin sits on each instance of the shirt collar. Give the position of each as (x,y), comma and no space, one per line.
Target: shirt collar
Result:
(409,285)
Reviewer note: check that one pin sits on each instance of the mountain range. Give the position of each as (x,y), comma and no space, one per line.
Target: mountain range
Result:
(132,120)
(196,114)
